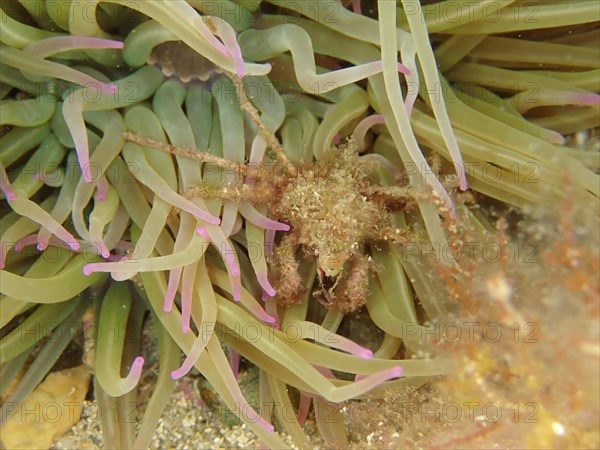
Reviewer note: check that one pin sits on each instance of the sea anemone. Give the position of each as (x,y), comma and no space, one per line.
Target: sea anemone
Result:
(170,160)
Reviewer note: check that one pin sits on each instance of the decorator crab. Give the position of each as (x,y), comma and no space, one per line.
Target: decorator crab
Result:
(333,208)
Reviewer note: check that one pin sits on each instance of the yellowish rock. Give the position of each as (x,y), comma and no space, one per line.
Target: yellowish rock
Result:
(49,412)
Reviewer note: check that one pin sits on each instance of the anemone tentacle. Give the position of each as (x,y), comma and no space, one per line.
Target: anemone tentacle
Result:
(250,174)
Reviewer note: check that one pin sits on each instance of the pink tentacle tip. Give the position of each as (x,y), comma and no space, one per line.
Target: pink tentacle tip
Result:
(586,99)
(42,242)
(100,194)
(265,296)
(108,88)
(337,139)
(396,372)
(181,372)
(463,182)
(202,232)
(74,245)
(269,319)
(237,292)
(262,221)
(186,328)
(269,291)
(206,217)
(138,363)
(8,191)
(403,69)
(88,269)
(136,371)
(365,354)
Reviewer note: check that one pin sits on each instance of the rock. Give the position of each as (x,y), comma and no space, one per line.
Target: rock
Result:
(49,411)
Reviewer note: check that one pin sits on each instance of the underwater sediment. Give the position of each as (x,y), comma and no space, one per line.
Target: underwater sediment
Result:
(375,205)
